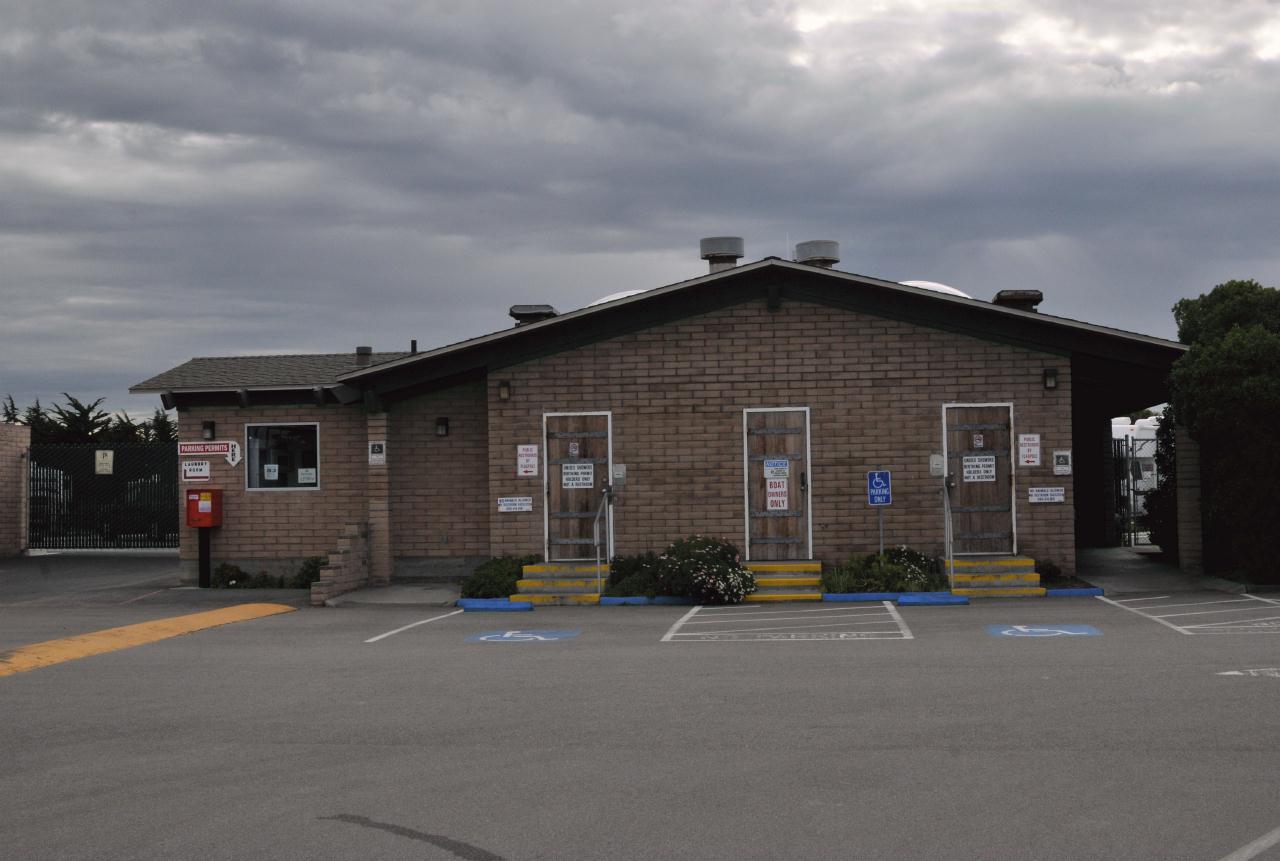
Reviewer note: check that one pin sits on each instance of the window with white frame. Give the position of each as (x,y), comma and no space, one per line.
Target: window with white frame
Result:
(282,457)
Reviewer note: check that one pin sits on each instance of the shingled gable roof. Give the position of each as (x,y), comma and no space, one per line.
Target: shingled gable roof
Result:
(257,373)
(775,280)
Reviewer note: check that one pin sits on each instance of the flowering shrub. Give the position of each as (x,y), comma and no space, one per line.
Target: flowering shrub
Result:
(900,569)
(710,570)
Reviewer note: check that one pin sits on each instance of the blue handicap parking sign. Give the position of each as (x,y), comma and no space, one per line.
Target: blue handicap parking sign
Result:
(521,636)
(1043,631)
(879,487)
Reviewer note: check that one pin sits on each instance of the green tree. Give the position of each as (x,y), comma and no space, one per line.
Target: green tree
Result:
(161,428)
(1226,392)
(77,421)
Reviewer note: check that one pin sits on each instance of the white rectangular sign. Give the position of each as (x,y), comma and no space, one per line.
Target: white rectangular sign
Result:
(307,476)
(776,494)
(1046,494)
(271,472)
(979,467)
(104,462)
(507,504)
(526,460)
(1062,462)
(780,468)
(575,475)
(378,453)
(195,470)
(1028,449)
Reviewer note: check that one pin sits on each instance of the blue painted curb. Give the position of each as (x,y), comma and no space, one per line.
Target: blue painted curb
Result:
(494,605)
(631,600)
(931,599)
(1082,592)
(860,596)
(673,599)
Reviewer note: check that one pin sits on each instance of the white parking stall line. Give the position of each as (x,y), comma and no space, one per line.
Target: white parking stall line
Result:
(1192,604)
(1260,598)
(1232,622)
(1142,614)
(878,621)
(787,628)
(666,638)
(1208,612)
(1256,848)
(719,619)
(893,611)
(411,625)
(1237,624)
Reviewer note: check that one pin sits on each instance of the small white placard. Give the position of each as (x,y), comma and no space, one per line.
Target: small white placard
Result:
(1062,462)
(777,468)
(1028,449)
(776,494)
(526,460)
(378,453)
(1046,494)
(307,475)
(271,471)
(575,475)
(979,467)
(575,449)
(104,462)
(507,504)
(195,470)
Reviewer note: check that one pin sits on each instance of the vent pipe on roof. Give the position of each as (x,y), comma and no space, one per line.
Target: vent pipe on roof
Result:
(1023,300)
(526,314)
(364,355)
(722,252)
(818,252)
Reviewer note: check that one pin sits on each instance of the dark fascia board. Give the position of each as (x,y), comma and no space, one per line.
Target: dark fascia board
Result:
(766,279)
(230,397)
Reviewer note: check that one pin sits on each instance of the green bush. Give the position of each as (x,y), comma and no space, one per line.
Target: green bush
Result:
(228,576)
(709,570)
(900,569)
(308,572)
(633,575)
(496,577)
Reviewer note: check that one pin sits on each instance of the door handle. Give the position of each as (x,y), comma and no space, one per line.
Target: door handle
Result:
(804,482)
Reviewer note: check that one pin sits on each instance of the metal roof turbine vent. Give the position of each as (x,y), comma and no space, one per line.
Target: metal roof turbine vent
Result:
(722,252)
(364,355)
(819,252)
(526,314)
(1023,300)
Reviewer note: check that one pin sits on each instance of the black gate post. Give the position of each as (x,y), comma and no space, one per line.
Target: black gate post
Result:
(205,579)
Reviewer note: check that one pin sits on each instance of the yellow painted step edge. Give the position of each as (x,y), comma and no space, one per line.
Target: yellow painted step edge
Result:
(757,598)
(1008,592)
(560,583)
(553,568)
(996,578)
(980,563)
(551,598)
(785,567)
(788,581)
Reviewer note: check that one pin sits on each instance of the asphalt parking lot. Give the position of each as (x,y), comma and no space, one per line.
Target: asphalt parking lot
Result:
(643,732)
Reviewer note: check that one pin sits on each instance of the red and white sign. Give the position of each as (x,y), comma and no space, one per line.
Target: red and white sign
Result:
(230,449)
(776,494)
(526,460)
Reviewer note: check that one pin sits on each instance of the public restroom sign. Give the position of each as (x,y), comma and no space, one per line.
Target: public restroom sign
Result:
(526,460)
(978,467)
(577,475)
(231,450)
(776,494)
(1028,449)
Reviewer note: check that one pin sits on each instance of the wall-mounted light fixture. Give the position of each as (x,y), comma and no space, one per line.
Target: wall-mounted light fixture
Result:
(442,426)
(504,390)
(207,430)
(1050,378)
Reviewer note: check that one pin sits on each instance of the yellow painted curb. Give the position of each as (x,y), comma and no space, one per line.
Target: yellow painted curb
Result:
(757,598)
(788,581)
(785,567)
(51,652)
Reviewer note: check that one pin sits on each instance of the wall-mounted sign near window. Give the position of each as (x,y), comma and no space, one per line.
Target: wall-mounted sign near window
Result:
(1028,449)
(777,468)
(574,475)
(776,494)
(195,470)
(1062,462)
(1046,494)
(104,462)
(378,453)
(979,467)
(575,449)
(526,460)
(978,441)
(508,504)
(230,449)
(306,475)
(271,472)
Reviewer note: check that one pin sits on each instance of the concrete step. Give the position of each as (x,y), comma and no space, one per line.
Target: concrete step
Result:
(789,582)
(557,599)
(996,581)
(1006,592)
(995,565)
(560,584)
(807,566)
(564,569)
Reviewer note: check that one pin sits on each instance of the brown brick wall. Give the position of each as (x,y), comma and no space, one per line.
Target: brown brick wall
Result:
(875,390)
(14,441)
(439,485)
(274,528)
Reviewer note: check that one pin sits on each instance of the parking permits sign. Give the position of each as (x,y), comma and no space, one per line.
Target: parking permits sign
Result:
(879,487)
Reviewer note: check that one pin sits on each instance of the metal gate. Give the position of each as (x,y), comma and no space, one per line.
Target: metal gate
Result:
(95,496)
(1133,478)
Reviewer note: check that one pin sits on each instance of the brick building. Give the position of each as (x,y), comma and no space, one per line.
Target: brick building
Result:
(749,403)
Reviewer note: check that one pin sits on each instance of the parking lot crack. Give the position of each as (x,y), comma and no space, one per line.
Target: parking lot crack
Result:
(462,850)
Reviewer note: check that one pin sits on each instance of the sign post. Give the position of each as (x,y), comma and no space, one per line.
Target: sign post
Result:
(880,494)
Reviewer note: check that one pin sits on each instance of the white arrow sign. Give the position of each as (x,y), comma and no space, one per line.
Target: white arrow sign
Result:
(231,450)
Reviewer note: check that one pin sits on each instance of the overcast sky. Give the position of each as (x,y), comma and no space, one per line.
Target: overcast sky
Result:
(185,177)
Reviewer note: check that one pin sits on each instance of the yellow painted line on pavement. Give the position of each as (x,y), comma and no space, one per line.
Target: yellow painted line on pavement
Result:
(51,652)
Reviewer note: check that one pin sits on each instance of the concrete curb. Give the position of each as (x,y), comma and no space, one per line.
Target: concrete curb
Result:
(1081,592)
(859,596)
(494,605)
(930,599)
(631,601)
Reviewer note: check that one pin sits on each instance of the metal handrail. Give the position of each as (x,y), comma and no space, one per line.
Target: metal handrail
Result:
(606,499)
(948,535)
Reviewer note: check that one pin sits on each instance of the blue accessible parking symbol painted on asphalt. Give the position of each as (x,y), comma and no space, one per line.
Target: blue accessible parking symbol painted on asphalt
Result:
(880,487)
(1043,631)
(521,636)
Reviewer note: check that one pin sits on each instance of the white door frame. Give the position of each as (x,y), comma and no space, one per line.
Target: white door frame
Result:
(1013,467)
(746,477)
(546,478)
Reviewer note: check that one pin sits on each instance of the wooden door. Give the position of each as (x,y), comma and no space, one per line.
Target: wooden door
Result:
(776,447)
(577,454)
(979,447)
